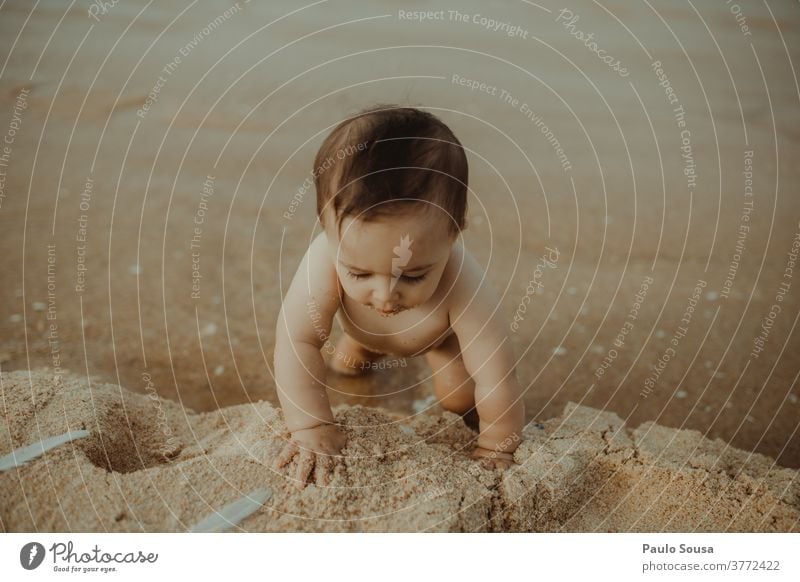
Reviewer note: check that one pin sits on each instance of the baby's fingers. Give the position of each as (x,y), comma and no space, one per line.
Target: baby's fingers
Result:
(501,464)
(490,460)
(286,455)
(486,463)
(323,470)
(305,465)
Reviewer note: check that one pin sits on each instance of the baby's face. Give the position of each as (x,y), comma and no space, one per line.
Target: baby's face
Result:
(391,264)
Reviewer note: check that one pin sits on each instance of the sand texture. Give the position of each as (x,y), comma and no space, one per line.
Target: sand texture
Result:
(150,465)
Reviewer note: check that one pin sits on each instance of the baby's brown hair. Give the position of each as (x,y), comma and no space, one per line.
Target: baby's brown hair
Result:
(388,157)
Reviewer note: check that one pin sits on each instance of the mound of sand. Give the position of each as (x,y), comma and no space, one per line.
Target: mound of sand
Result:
(148,464)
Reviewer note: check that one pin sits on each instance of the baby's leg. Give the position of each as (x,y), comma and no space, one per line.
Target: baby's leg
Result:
(452,384)
(351,358)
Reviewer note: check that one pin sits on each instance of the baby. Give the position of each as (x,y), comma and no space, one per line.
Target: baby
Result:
(391,188)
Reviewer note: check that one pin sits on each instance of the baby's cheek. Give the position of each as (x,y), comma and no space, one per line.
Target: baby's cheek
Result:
(422,294)
(351,290)
(359,293)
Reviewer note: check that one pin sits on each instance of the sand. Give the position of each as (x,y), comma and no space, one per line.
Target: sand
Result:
(151,465)
(622,213)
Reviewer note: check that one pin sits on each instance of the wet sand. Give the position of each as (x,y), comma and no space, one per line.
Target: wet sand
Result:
(120,152)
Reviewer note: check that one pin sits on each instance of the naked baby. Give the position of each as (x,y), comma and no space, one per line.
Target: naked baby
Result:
(391,188)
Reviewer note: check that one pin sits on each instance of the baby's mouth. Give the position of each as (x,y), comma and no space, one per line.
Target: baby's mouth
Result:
(387,313)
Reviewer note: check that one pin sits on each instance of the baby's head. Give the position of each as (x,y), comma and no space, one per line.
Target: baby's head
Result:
(392,197)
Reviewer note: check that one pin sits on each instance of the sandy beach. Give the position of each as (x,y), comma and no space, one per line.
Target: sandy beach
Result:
(581,471)
(633,201)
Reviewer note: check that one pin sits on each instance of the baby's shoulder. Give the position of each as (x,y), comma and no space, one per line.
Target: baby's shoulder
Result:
(462,275)
(317,269)
(318,249)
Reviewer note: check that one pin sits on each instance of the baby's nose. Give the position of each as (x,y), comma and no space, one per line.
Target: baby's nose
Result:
(383,291)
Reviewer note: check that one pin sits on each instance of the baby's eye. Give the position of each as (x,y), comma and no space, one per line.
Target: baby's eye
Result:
(413,280)
(357,276)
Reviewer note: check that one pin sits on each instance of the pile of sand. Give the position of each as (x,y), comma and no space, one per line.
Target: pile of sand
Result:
(150,465)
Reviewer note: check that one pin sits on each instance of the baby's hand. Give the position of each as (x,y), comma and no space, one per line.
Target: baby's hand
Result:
(493,459)
(317,449)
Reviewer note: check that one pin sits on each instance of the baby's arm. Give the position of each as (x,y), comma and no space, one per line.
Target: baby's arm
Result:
(489,360)
(304,325)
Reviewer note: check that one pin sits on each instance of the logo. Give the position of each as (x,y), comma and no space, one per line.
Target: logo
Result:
(31,555)
(403,254)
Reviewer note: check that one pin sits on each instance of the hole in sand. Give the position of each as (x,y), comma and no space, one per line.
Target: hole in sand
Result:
(127,445)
